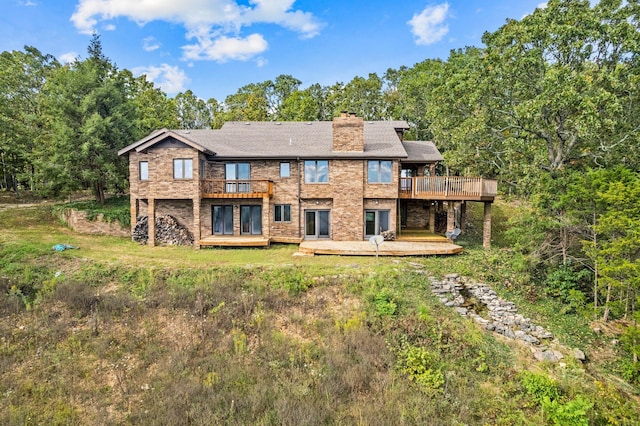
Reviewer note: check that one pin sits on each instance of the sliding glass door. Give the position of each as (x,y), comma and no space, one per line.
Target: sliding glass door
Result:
(316,224)
(222,218)
(251,220)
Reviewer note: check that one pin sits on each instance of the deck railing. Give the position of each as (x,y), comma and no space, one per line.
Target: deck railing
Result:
(220,188)
(448,188)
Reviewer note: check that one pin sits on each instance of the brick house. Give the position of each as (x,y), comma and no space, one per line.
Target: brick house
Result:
(250,183)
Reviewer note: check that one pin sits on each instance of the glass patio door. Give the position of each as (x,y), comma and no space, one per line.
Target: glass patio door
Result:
(251,220)
(222,219)
(316,224)
(375,222)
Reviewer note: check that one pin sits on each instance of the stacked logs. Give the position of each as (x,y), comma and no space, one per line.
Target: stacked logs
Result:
(168,231)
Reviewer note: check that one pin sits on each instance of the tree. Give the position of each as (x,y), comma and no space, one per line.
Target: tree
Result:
(560,79)
(88,118)
(154,110)
(618,249)
(193,112)
(22,76)
(364,97)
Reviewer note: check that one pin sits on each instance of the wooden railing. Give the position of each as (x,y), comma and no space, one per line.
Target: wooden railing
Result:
(448,188)
(220,188)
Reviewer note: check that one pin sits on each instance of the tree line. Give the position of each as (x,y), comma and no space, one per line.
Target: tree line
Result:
(548,105)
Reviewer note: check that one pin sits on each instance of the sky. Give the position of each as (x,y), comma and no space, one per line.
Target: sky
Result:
(215,47)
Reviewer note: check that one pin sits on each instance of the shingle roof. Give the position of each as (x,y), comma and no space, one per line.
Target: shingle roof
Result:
(421,152)
(237,140)
(295,139)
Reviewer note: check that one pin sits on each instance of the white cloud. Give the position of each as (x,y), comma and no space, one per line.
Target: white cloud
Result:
(28,3)
(68,57)
(216,25)
(171,79)
(150,44)
(225,48)
(429,25)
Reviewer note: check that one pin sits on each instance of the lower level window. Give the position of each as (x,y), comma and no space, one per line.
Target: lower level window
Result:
(282,213)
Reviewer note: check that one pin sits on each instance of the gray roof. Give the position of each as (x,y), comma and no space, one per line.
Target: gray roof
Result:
(421,152)
(237,140)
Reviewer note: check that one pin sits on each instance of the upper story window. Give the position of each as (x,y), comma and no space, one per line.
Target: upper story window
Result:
(379,171)
(285,170)
(316,171)
(144,170)
(183,168)
(237,171)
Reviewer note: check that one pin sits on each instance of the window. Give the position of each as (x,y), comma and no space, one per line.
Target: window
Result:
(285,170)
(144,170)
(282,213)
(238,176)
(379,171)
(316,171)
(183,168)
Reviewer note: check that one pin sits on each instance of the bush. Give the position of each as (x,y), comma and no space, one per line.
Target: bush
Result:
(539,387)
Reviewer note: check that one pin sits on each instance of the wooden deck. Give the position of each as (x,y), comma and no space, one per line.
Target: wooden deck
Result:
(387,248)
(421,236)
(232,241)
(448,188)
(220,188)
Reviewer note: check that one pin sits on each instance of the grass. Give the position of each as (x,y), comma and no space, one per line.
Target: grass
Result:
(118,333)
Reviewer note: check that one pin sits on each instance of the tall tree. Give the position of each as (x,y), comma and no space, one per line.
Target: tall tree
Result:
(22,76)
(89,118)
(154,110)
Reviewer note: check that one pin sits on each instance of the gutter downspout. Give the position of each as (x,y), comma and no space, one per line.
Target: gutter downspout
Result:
(299,200)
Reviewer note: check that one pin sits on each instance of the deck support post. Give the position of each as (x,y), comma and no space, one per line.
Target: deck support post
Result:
(463,215)
(451,216)
(196,223)
(151,215)
(486,226)
(134,212)
(432,217)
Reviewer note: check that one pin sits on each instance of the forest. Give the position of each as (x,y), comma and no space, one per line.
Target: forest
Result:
(548,105)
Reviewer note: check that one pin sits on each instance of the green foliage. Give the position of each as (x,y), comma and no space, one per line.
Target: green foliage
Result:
(539,386)
(385,303)
(294,280)
(571,413)
(568,284)
(421,367)
(88,119)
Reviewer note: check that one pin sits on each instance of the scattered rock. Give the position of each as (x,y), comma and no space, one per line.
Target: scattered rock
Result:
(579,355)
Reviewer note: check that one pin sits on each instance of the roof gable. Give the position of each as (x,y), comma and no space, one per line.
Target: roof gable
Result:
(162,135)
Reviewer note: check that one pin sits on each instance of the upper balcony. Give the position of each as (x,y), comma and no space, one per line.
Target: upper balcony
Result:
(220,188)
(448,188)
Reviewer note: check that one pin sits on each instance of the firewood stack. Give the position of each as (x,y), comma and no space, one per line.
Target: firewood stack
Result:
(168,231)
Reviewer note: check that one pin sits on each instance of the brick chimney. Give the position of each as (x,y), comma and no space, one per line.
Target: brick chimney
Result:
(348,133)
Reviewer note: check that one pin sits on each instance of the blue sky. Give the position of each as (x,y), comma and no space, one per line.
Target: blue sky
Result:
(214,47)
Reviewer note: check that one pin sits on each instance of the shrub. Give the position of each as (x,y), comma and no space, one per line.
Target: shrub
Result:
(539,386)
(421,366)
(571,413)
(385,303)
